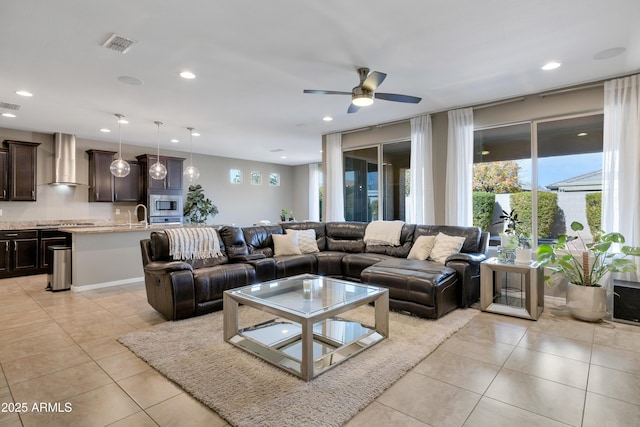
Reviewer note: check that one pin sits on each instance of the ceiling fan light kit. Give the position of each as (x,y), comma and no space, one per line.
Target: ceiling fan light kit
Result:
(364,94)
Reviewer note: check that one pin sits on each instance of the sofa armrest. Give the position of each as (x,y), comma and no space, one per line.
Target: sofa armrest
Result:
(170,288)
(469,275)
(474,259)
(158,267)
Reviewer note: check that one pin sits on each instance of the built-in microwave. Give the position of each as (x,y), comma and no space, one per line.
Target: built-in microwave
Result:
(166,205)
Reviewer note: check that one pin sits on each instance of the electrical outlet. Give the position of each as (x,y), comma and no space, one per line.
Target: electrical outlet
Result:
(117,212)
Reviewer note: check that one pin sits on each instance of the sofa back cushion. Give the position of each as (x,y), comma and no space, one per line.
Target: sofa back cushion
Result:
(259,239)
(318,227)
(233,239)
(160,251)
(406,241)
(471,234)
(345,236)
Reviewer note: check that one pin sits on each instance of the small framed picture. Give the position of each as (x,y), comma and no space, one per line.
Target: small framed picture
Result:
(256,178)
(235,176)
(274,179)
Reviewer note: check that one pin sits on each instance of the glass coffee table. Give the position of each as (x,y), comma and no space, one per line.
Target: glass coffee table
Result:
(306,338)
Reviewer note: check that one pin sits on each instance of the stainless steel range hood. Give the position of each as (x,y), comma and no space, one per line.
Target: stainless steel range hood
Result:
(64,167)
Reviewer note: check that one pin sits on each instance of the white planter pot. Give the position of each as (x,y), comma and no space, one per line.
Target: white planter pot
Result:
(523,255)
(587,302)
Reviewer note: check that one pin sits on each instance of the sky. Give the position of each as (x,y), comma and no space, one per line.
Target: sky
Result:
(554,169)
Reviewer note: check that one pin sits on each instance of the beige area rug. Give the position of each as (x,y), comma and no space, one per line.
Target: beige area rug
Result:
(247,391)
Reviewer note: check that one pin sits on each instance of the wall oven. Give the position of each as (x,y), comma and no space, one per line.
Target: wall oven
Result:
(165,208)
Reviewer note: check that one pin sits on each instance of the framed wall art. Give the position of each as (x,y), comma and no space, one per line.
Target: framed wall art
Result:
(256,178)
(235,176)
(274,179)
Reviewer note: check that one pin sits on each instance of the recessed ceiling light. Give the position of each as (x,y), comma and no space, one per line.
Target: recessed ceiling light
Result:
(187,75)
(128,80)
(195,134)
(8,115)
(105,130)
(485,152)
(327,118)
(582,134)
(283,157)
(123,121)
(609,53)
(175,141)
(551,65)
(23,93)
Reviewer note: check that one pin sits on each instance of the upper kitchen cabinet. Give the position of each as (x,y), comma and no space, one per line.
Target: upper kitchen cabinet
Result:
(173,180)
(128,188)
(22,171)
(4,174)
(100,178)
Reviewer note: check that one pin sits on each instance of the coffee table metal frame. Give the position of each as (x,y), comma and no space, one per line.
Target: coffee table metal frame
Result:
(306,367)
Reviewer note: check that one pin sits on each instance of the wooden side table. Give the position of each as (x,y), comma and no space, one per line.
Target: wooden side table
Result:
(512,289)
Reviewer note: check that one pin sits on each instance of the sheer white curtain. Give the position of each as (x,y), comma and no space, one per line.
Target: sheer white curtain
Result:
(314,192)
(621,161)
(334,186)
(459,180)
(421,202)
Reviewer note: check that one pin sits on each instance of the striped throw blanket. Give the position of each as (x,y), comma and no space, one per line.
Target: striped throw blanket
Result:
(193,243)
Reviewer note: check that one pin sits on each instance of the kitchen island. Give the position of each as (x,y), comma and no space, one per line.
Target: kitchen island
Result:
(106,256)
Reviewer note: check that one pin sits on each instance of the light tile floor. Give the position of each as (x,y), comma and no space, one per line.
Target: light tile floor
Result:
(497,371)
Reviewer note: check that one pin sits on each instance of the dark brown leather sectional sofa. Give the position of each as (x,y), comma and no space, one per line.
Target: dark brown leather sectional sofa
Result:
(181,289)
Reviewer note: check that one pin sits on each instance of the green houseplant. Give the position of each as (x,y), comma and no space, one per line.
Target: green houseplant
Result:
(197,208)
(585,265)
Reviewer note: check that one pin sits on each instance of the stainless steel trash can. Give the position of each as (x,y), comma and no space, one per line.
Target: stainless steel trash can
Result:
(59,269)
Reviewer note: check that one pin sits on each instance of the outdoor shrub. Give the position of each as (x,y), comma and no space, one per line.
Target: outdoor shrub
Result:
(547,212)
(483,204)
(594,211)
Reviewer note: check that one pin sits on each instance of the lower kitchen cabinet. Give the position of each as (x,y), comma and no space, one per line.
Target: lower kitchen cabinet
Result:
(19,253)
(24,252)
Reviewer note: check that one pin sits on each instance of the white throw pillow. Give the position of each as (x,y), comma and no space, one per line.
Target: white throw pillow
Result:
(444,246)
(285,244)
(422,248)
(306,240)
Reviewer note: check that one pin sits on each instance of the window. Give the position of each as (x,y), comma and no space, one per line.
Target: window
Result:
(365,174)
(548,171)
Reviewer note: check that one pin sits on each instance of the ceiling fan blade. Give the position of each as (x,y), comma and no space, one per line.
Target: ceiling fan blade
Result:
(398,98)
(374,80)
(326,92)
(352,108)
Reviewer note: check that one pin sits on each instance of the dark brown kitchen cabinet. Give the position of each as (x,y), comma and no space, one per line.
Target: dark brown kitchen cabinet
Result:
(51,237)
(129,188)
(173,180)
(4,174)
(22,168)
(100,178)
(19,253)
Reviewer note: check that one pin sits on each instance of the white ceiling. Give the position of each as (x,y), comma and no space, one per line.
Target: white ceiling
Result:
(253,59)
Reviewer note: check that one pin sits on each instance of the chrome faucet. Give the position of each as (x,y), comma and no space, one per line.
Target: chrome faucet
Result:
(144,209)
(129,217)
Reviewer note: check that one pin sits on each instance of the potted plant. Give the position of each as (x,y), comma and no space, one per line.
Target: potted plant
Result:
(197,208)
(585,266)
(510,220)
(283,215)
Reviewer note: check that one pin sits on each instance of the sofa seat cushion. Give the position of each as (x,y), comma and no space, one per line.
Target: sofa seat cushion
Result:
(435,288)
(330,263)
(292,265)
(353,264)
(211,282)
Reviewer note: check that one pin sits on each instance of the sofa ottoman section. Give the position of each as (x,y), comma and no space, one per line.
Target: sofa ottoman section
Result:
(429,293)
(211,282)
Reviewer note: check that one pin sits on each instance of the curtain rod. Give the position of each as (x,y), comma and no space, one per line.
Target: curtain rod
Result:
(570,89)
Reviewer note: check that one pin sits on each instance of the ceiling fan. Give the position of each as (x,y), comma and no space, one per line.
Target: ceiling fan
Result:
(364,94)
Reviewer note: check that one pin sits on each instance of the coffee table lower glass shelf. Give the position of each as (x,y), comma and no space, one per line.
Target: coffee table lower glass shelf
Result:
(307,337)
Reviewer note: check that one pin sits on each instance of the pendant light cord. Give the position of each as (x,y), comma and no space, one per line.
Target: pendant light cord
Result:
(191,145)
(158,140)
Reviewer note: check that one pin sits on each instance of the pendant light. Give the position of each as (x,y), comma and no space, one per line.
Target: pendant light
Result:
(158,170)
(191,173)
(119,168)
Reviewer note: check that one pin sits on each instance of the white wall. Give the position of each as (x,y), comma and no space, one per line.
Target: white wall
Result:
(241,204)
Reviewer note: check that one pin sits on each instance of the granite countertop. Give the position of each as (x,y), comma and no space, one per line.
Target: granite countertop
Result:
(79,226)
(119,228)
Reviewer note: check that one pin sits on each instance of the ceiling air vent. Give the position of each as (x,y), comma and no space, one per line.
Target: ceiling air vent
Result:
(118,43)
(9,106)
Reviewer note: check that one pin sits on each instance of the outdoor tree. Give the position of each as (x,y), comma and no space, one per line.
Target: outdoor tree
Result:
(496,177)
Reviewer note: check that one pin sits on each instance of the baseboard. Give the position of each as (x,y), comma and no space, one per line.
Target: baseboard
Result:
(107,284)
